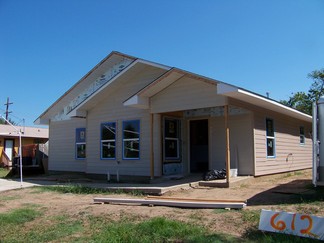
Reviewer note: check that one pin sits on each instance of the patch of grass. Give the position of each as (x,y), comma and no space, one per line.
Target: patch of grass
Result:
(81,189)
(251,216)
(9,198)
(157,230)
(221,210)
(254,235)
(4,172)
(18,216)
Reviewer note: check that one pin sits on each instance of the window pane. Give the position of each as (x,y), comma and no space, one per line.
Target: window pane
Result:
(108,131)
(81,151)
(80,136)
(108,150)
(171,149)
(131,149)
(131,138)
(270,130)
(270,147)
(301,135)
(171,128)
(131,129)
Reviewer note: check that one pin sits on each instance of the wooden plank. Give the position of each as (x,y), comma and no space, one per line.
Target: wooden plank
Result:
(170,203)
(196,199)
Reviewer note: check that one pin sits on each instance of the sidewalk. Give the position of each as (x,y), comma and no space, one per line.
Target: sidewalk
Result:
(12,184)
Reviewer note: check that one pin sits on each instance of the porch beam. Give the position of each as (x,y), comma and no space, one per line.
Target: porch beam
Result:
(152,146)
(228,152)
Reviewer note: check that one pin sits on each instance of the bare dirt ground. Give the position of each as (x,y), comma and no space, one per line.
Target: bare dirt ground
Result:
(277,192)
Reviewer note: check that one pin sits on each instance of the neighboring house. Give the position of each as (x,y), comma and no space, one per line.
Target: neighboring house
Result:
(141,118)
(9,141)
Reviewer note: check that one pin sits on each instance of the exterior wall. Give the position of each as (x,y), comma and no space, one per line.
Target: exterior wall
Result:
(241,144)
(286,140)
(186,94)
(62,146)
(111,109)
(289,153)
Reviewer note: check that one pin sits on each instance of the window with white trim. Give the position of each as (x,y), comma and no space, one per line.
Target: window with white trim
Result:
(108,140)
(80,143)
(301,135)
(270,133)
(171,147)
(131,139)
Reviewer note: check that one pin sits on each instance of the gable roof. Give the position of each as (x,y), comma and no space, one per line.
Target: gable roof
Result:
(83,93)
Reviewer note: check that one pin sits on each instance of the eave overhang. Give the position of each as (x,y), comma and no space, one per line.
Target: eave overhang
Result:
(261,101)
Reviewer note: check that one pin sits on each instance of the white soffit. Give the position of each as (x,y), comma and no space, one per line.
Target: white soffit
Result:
(257,100)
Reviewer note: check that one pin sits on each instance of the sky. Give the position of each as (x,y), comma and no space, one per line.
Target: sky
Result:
(46,46)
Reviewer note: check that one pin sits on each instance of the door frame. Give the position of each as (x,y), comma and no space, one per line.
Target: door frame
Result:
(189,141)
(13,147)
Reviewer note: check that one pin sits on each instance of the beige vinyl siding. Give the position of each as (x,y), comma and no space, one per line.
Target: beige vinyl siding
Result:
(286,139)
(289,153)
(241,144)
(62,146)
(186,94)
(111,109)
(217,145)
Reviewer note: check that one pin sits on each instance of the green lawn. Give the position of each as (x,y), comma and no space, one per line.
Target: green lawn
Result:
(4,172)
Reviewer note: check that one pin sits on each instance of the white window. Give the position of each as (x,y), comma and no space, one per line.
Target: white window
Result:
(270,133)
(301,135)
(108,140)
(80,143)
(171,148)
(131,139)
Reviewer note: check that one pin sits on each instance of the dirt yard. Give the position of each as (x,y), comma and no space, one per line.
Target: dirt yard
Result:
(287,192)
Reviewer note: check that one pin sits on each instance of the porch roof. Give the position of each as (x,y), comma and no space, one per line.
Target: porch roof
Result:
(141,98)
(261,101)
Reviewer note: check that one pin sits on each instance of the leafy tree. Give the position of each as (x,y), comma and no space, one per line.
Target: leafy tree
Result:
(3,121)
(303,101)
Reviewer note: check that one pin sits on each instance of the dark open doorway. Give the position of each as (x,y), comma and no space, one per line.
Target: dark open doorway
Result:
(199,146)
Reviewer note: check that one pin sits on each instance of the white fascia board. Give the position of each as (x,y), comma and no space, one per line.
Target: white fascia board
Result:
(138,102)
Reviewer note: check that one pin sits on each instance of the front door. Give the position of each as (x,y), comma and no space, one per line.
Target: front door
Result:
(9,146)
(199,146)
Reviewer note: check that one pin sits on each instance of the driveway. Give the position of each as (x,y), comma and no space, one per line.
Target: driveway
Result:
(11,184)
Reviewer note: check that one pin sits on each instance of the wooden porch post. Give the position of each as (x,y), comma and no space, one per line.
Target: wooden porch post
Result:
(152,147)
(228,152)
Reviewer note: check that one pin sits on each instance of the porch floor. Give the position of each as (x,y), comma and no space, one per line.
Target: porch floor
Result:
(158,186)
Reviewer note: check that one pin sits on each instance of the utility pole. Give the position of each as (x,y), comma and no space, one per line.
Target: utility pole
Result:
(7,109)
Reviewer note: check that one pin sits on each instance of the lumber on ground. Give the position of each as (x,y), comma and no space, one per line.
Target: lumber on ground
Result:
(197,199)
(171,203)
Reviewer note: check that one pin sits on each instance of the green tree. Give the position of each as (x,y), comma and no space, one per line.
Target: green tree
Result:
(3,121)
(303,101)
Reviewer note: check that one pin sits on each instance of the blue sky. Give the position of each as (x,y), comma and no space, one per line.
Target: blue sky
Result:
(264,46)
